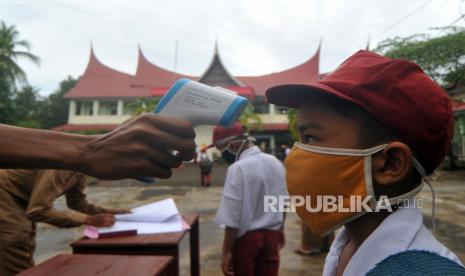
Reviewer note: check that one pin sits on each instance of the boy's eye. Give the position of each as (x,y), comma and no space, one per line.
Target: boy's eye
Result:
(307,139)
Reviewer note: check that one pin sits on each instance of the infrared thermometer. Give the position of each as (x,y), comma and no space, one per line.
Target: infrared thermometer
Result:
(201,105)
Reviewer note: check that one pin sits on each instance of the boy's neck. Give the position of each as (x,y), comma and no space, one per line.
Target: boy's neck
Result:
(361,228)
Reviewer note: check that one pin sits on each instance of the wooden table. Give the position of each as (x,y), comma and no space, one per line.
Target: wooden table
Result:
(102,265)
(166,244)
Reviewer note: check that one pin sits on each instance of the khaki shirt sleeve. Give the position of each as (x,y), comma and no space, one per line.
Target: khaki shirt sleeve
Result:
(49,185)
(76,198)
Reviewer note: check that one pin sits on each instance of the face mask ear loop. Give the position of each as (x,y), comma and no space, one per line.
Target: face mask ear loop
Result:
(424,178)
(239,151)
(433,208)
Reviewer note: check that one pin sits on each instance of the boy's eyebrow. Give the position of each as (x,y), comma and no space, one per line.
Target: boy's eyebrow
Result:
(307,125)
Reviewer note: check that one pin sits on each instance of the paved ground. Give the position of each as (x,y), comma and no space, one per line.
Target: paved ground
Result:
(184,188)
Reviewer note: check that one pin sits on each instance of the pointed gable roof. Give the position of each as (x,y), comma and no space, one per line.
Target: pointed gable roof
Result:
(101,81)
(300,74)
(150,75)
(217,74)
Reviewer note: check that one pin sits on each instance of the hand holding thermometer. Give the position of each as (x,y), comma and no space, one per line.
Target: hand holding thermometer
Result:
(201,105)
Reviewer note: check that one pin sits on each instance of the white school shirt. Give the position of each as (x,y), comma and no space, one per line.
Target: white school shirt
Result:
(248,180)
(400,231)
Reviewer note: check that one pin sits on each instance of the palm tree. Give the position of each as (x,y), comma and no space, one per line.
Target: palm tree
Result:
(9,54)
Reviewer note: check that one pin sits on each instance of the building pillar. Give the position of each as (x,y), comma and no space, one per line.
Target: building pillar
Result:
(72,110)
(119,109)
(95,108)
(272,109)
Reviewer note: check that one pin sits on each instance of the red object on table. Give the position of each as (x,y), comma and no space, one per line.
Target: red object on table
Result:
(166,244)
(102,265)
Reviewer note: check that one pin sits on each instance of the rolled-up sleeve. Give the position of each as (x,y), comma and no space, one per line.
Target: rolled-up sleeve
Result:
(76,198)
(230,209)
(47,187)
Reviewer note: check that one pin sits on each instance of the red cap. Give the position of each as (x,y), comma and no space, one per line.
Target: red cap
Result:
(396,92)
(222,135)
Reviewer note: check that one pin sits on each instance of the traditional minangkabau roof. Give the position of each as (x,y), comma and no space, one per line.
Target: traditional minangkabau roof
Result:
(150,75)
(217,74)
(458,107)
(304,73)
(101,81)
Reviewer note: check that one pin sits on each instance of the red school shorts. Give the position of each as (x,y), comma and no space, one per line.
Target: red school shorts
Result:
(257,253)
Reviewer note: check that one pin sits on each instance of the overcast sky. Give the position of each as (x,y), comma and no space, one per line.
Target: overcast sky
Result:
(255,36)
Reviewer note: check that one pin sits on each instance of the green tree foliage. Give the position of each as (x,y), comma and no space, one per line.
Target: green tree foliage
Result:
(442,57)
(292,125)
(28,106)
(143,105)
(6,104)
(249,119)
(55,107)
(12,48)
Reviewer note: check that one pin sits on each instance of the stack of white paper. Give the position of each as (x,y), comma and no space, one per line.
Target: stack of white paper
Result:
(158,217)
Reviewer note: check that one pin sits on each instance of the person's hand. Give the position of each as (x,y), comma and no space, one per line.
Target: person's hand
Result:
(100,220)
(226,264)
(142,146)
(120,211)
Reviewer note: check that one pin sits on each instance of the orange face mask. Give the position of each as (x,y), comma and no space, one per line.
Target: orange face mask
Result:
(315,172)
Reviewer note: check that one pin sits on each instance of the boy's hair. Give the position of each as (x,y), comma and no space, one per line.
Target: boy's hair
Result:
(371,133)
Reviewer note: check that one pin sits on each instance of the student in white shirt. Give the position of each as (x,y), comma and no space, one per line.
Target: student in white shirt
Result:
(373,129)
(252,237)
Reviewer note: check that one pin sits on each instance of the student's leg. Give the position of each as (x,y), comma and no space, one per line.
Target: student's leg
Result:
(209,179)
(202,179)
(268,260)
(17,236)
(245,252)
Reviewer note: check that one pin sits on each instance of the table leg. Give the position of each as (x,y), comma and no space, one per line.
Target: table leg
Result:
(194,246)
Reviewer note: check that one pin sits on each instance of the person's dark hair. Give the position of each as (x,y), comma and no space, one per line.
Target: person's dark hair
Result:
(372,133)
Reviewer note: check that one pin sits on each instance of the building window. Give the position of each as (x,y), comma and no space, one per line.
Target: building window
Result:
(129,107)
(261,106)
(84,108)
(282,110)
(108,108)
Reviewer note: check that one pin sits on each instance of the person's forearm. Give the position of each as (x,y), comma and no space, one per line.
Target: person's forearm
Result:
(33,148)
(229,237)
(142,146)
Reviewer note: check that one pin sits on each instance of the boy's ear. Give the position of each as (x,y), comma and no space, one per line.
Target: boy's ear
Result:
(392,164)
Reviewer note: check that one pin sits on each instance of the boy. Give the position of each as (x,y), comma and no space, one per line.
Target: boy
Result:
(205,165)
(252,237)
(374,127)
(26,197)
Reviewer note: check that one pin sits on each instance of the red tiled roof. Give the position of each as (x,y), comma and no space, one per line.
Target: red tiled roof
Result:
(151,75)
(271,127)
(456,106)
(84,127)
(245,91)
(303,73)
(101,81)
